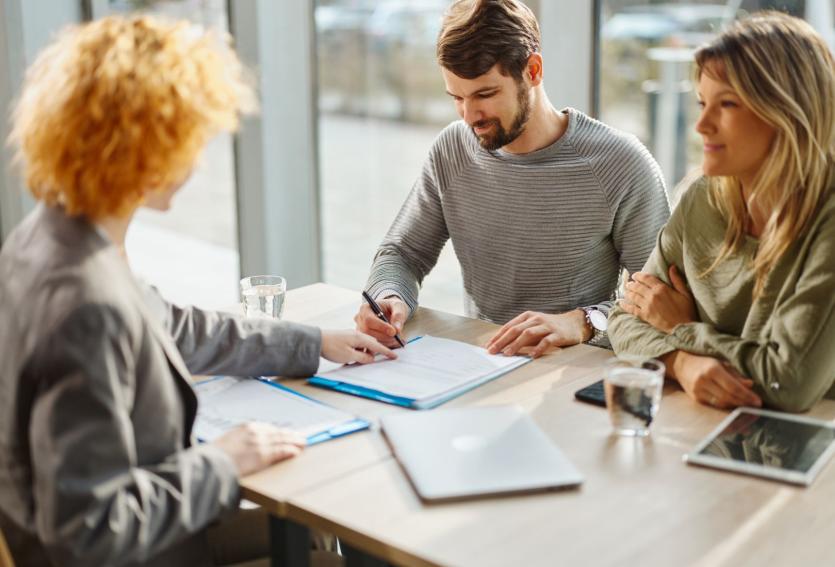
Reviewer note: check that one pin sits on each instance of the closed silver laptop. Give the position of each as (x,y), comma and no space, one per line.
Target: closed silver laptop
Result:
(467,452)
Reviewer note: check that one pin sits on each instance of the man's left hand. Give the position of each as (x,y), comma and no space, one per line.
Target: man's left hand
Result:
(534,333)
(658,304)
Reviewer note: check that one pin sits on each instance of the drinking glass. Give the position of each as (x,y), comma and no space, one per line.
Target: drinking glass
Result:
(263,296)
(633,393)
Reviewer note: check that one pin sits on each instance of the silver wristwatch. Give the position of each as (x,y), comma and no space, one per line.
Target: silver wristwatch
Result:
(597,319)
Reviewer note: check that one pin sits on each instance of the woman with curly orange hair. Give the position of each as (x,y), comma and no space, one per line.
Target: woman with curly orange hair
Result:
(96,408)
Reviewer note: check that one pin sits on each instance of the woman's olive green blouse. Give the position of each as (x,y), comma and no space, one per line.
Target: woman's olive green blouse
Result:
(784,341)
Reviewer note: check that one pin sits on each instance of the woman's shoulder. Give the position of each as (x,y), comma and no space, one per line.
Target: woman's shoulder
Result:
(695,215)
(692,190)
(49,276)
(824,221)
(691,199)
(828,206)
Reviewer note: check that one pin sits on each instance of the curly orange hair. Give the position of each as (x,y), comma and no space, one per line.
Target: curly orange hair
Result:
(122,106)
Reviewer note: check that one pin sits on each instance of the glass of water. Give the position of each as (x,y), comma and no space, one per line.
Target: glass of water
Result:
(633,393)
(263,296)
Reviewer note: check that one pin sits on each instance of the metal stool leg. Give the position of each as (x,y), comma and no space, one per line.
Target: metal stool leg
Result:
(357,558)
(289,543)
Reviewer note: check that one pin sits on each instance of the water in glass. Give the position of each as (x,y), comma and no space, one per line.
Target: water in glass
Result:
(264,301)
(632,397)
(263,296)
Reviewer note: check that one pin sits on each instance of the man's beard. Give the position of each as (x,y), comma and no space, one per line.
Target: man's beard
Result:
(500,137)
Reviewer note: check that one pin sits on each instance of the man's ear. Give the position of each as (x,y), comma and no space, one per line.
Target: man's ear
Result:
(533,71)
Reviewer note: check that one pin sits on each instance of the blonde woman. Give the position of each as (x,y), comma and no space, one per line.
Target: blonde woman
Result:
(737,297)
(96,408)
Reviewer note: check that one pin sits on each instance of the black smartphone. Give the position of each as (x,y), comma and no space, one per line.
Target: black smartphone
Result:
(592,394)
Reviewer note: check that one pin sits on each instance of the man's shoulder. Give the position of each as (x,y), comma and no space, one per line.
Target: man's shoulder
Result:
(596,139)
(618,158)
(456,140)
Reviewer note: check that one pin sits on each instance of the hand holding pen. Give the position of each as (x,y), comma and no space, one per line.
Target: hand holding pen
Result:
(382,321)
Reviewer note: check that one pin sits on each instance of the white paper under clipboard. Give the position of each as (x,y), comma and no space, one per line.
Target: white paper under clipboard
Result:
(427,373)
(226,402)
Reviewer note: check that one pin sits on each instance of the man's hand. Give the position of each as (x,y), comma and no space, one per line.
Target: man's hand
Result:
(534,333)
(710,381)
(352,346)
(658,304)
(255,446)
(396,312)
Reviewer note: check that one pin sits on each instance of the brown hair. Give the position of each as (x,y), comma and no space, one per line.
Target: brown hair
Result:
(478,34)
(119,107)
(784,72)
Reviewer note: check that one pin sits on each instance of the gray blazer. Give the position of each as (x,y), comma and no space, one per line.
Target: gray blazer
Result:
(96,408)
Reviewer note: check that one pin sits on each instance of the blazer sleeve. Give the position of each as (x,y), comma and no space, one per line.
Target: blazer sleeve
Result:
(221,343)
(95,503)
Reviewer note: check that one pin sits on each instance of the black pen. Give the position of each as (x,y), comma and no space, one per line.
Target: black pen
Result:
(381,316)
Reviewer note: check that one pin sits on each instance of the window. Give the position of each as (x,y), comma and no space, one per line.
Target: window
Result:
(191,251)
(645,65)
(381,103)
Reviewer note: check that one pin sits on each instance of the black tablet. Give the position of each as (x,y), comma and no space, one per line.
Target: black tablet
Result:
(770,444)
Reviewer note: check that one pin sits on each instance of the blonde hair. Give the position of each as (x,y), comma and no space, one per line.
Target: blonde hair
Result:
(783,71)
(122,106)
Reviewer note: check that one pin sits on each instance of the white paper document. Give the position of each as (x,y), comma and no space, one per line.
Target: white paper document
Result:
(428,370)
(226,402)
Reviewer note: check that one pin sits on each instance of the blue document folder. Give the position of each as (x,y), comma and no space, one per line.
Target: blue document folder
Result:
(362,392)
(226,402)
(427,373)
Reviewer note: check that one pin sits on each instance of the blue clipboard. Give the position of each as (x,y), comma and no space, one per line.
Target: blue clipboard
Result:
(357,424)
(361,391)
(341,430)
(409,403)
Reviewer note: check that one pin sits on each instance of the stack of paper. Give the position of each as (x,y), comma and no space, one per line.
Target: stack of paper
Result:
(428,372)
(226,402)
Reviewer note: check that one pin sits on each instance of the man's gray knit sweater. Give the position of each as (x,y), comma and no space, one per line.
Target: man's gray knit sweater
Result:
(546,231)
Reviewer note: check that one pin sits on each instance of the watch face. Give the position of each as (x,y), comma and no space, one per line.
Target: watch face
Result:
(598,320)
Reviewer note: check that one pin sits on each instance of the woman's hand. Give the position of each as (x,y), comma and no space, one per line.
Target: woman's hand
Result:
(352,346)
(710,381)
(255,446)
(658,304)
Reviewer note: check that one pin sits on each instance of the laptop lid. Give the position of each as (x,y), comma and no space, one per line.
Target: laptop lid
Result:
(467,452)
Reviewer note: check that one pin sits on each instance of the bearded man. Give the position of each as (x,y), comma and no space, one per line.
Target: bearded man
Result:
(544,207)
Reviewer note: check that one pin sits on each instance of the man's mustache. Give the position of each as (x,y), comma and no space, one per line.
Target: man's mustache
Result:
(484,123)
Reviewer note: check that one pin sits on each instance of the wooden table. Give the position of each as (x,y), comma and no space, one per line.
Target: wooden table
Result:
(640,503)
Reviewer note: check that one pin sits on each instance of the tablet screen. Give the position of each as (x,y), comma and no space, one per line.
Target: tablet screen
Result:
(771,440)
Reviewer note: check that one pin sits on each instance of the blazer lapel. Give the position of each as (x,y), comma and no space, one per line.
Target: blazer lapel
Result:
(182,376)
(178,367)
